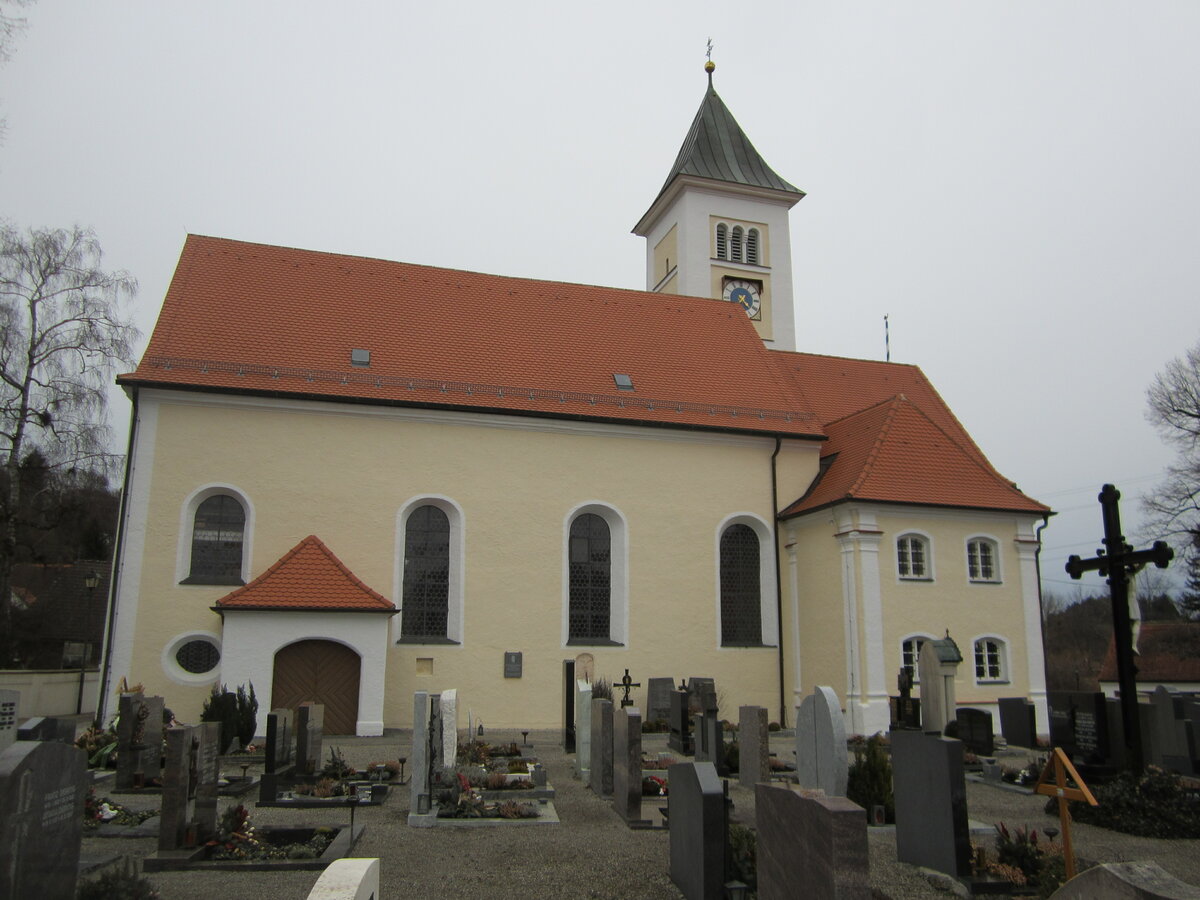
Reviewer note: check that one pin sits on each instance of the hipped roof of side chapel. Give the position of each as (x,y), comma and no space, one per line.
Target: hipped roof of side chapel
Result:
(258,319)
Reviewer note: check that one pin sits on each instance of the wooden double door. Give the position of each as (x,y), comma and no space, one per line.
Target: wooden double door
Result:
(324,672)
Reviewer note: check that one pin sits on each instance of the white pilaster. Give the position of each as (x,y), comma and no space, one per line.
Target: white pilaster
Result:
(1027,546)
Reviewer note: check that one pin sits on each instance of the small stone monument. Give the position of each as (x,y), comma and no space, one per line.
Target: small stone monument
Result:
(601,771)
(627,766)
(449,711)
(310,727)
(583,732)
(754,752)
(421,813)
(821,758)
(139,740)
(938,664)
(189,792)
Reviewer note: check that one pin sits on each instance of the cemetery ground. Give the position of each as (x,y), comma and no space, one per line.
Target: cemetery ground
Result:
(591,853)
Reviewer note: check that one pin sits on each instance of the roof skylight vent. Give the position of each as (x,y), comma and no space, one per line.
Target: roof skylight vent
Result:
(623,382)
(360,357)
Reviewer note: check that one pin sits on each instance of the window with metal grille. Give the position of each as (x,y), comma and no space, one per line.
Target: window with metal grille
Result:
(741,595)
(722,241)
(217,533)
(989,660)
(912,554)
(910,657)
(981,560)
(198,657)
(735,244)
(752,246)
(589,580)
(426,591)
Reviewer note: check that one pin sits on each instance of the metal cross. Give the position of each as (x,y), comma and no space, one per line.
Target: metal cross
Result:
(628,683)
(1118,561)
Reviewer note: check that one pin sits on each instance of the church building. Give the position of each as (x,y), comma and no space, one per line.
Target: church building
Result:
(340,491)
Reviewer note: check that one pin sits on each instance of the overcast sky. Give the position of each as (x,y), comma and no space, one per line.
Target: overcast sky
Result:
(1016,184)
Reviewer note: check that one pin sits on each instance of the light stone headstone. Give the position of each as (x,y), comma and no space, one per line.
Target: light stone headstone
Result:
(449,709)
(821,759)
(42,787)
(754,752)
(806,838)
(348,879)
(585,667)
(680,738)
(9,704)
(627,766)
(601,770)
(421,813)
(938,665)
(583,731)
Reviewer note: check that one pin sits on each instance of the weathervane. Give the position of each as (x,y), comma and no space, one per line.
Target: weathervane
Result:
(708,55)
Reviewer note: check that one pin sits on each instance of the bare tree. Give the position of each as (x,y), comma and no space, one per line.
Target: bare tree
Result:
(1174,409)
(61,337)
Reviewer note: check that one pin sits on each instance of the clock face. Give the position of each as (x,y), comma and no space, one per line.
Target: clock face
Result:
(744,294)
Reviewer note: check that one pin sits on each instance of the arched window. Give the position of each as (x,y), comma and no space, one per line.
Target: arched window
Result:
(982,560)
(218,530)
(735,244)
(426,588)
(752,246)
(912,557)
(990,664)
(722,241)
(589,580)
(910,654)
(741,592)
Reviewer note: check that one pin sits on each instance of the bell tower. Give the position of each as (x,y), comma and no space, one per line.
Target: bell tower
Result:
(719,226)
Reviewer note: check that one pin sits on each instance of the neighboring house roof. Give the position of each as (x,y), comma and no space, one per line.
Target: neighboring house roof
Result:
(276,321)
(1167,652)
(308,577)
(58,596)
(905,447)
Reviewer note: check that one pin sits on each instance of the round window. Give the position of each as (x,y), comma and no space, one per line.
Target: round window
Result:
(198,657)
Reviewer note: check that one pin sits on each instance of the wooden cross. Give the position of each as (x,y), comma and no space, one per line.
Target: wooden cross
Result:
(1061,766)
(1118,561)
(628,683)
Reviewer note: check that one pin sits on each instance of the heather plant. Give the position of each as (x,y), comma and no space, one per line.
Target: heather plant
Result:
(869,783)
(1155,804)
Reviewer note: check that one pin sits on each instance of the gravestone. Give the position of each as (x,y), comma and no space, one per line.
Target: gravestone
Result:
(696,812)
(277,755)
(754,752)
(931,802)
(1127,881)
(697,687)
(449,710)
(42,787)
(1117,753)
(348,879)
(658,699)
(601,771)
(938,665)
(585,667)
(310,727)
(47,728)
(709,739)
(421,813)
(822,762)
(680,739)
(568,706)
(1018,721)
(1171,733)
(189,790)
(975,730)
(627,766)
(139,740)
(812,840)
(583,731)
(9,704)
(1079,723)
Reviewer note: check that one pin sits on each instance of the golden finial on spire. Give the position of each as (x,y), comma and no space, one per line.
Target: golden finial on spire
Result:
(710,65)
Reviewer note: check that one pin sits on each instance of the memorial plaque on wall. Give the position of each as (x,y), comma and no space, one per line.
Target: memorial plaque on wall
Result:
(512,664)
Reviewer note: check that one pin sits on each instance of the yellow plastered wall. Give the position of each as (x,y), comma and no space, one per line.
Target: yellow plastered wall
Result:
(342,473)
(666,256)
(817,581)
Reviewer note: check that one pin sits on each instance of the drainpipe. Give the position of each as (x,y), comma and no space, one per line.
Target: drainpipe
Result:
(115,577)
(778,579)
(1037,568)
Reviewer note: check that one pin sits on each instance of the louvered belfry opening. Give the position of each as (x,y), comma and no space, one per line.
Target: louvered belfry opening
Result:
(589,584)
(741,596)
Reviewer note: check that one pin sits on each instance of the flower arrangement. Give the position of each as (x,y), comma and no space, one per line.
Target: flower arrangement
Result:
(99,811)
(237,839)
(654,786)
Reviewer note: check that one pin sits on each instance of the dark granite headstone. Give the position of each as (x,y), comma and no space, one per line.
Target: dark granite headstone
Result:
(277,755)
(421,811)
(975,730)
(658,699)
(696,812)
(568,686)
(696,687)
(9,704)
(601,772)
(754,753)
(139,740)
(931,802)
(1079,725)
(1171,740)
(42,786)
(189,791)
(710,739)
(680,739)
(905,712)
(310,726)
(627,766)
(47,728)
(811,840)
(1018,721)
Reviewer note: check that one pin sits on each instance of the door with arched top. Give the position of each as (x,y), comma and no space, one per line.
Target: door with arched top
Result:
(324,672)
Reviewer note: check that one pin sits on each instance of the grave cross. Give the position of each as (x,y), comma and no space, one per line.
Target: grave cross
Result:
(1118,561)
(626,684)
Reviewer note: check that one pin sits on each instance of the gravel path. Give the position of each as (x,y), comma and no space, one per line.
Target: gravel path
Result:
(591,854)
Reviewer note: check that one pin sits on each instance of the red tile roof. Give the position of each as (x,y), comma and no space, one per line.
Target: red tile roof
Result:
(307,577)
(1167,652)
(262,319)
